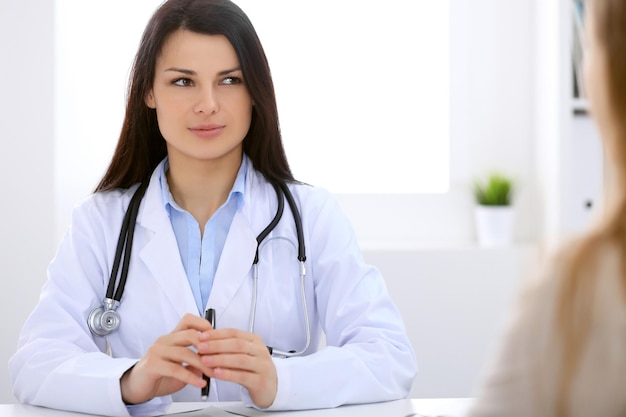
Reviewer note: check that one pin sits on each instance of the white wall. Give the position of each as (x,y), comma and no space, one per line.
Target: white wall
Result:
(454,302)
(26,180)
(492,126)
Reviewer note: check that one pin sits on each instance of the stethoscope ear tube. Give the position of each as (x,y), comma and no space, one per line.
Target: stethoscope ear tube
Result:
(279,214)
(133,208)
(297,220)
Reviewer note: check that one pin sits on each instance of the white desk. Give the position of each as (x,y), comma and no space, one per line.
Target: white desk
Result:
(453,407)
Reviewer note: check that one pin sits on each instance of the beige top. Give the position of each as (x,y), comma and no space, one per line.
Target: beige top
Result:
(522,380)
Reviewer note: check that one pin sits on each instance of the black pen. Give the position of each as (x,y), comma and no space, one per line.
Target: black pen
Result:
(209,315)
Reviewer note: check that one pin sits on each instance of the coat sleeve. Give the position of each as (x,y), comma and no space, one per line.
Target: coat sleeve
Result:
(58,364)
(368,357)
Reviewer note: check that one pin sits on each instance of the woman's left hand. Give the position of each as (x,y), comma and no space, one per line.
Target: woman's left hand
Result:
(241,357)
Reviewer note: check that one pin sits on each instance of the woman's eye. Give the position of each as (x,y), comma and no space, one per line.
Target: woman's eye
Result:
(231,80)
(183,82)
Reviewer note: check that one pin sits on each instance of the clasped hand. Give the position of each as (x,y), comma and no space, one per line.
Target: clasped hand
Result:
(226,354)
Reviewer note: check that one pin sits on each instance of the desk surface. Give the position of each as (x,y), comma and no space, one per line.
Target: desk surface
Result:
(440,407)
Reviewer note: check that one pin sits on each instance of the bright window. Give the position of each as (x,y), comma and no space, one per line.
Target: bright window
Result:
(362,90)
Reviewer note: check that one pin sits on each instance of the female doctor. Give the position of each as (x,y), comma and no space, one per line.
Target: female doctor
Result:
(201,133)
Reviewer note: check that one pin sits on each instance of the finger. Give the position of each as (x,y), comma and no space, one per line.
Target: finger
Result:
(249,356)
(238,376)
(180,338)
(234,361)
(193,322)
(199,374)
(183,340)
(153,376)
(186,338)
(183,374)
(228,333)
(230,341)
(225,346)
(159,356)
(259,385)
(251,366)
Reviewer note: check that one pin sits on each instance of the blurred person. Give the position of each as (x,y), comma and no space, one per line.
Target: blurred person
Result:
(564,350)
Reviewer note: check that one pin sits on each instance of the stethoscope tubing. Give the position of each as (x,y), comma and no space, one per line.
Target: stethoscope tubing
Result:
(282,193)
(125,245)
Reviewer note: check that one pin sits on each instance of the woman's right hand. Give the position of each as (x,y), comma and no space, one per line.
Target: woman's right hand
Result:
(168,365)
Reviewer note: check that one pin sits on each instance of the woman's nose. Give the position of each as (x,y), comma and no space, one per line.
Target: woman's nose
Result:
(207,102)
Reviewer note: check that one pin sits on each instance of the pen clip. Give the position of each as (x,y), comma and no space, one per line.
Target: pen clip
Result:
(209,315)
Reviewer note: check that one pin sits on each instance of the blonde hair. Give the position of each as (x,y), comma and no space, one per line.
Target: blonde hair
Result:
(575,306)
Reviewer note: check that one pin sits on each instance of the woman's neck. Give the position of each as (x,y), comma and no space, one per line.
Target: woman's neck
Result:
(200,187)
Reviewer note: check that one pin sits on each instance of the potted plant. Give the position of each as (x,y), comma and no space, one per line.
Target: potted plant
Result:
(494,213)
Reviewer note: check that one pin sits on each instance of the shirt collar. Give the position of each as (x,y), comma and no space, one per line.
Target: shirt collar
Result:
(237,192)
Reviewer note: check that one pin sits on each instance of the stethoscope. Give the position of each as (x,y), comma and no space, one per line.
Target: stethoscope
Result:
(105,319)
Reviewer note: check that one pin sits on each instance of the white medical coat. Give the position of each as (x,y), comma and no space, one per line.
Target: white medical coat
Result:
(367,356)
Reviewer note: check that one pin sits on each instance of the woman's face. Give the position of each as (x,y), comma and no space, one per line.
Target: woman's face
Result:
(203,106)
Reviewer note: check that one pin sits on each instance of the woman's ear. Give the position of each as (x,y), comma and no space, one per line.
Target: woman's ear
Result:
(150,100)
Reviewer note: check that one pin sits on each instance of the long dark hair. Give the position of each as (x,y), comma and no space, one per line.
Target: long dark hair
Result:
(141,146)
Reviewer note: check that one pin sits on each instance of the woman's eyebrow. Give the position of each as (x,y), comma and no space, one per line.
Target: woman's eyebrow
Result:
(191,72)
(228,71)
(184,71)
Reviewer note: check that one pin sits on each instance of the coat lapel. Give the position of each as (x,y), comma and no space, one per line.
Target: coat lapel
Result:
(235,265)
(160,252)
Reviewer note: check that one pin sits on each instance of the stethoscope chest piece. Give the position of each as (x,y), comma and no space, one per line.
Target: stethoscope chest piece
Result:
(104,320)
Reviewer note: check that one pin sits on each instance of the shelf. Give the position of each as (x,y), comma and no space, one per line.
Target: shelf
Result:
(580,106)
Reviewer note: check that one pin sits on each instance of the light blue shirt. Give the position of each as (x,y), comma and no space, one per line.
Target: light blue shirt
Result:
(200,255)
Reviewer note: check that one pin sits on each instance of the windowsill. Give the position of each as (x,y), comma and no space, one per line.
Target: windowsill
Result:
(408,246)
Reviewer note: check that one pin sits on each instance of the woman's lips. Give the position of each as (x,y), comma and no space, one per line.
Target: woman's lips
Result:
(207,131)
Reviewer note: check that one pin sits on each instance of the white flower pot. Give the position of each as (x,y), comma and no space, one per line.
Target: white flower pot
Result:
(494,225)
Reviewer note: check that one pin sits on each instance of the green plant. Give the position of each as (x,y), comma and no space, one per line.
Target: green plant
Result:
(496,190)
